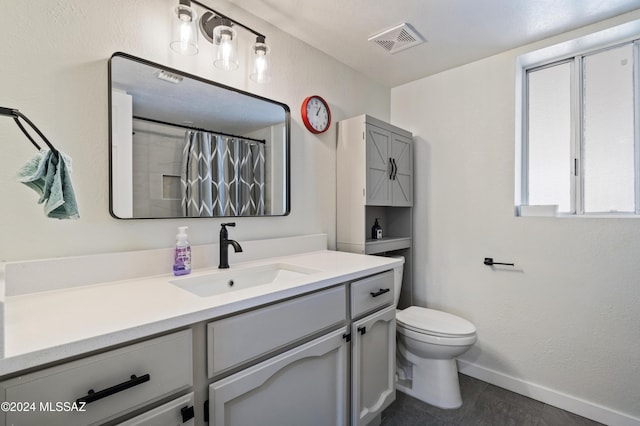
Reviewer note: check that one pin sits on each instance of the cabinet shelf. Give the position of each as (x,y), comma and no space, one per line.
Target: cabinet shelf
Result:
(386,244)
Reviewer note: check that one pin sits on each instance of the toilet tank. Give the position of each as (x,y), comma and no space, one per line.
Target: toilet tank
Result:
(397,279)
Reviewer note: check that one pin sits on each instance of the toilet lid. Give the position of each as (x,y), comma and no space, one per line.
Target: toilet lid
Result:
(431,321)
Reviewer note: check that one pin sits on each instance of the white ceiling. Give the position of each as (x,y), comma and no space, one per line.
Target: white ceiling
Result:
(457,31)
(191,101)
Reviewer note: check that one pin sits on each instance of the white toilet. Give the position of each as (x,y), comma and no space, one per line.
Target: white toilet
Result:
(428,341)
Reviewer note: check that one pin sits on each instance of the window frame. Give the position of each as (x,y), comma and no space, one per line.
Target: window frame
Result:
(525,125)
(574,52)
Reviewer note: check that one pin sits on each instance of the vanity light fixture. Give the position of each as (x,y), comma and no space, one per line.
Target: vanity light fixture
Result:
(184,39)
(219,30)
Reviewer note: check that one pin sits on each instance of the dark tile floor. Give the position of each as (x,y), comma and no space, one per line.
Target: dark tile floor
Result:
(483,404)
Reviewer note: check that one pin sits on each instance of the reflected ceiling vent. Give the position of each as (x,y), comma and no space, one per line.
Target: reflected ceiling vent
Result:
(167,76)
(398,38)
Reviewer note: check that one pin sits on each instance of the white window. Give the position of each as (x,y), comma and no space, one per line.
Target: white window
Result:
(580,128)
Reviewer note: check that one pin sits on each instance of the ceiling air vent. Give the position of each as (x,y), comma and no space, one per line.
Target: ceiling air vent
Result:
(398,38)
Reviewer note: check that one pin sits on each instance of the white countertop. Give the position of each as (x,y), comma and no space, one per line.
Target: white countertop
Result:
(48,326)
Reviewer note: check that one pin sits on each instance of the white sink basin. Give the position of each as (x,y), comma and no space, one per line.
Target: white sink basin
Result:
(224,282)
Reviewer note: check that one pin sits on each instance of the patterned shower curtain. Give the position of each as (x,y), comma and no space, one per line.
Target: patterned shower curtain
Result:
(222,176)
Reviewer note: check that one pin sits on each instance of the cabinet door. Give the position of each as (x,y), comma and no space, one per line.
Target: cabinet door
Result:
(304,386)
(373,365)
(402,178)
(378,166)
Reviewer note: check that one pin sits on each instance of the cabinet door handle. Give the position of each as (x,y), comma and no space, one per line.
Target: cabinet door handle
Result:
(391,171)
(395,168)
(187,413)
(94,396)
(362,330)
(379,292)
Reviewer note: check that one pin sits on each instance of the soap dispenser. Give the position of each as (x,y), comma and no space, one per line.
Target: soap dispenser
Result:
(376,231)
(182,257)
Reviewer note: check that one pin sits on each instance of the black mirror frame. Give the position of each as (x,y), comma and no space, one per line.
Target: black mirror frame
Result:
(203,80)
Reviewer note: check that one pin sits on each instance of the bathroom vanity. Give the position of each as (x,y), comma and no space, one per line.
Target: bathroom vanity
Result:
(305,338)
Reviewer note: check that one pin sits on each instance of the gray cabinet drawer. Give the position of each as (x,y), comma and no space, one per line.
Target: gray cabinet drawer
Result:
(371,293)
(167,361)
(241,338)
(169,414)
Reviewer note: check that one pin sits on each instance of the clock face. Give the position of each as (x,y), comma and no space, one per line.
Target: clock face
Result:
(316,114)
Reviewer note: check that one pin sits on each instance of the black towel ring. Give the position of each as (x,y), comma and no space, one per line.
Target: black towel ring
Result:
(12,112)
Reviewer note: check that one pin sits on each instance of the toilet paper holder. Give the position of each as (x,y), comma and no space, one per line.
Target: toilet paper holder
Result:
(489,262)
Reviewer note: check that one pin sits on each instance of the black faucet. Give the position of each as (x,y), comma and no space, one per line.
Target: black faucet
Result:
(224,246)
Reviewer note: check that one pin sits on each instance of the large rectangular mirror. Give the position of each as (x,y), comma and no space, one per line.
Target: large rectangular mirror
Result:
(183,146)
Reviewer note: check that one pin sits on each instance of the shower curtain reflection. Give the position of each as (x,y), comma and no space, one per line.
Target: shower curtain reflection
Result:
(222,176)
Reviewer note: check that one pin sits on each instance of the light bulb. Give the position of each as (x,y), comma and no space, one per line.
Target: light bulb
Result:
(261,70)
(186,34)
(226,40)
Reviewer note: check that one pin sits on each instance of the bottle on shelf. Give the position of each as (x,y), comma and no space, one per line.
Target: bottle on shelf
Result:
(376,231)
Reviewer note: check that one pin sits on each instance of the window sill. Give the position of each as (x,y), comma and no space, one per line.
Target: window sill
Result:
(546,210)
(600,215)
(547,213)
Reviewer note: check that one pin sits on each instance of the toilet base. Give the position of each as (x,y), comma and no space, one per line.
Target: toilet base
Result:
(434,381)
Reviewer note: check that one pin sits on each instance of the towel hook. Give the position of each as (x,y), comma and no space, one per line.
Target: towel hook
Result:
(16,115)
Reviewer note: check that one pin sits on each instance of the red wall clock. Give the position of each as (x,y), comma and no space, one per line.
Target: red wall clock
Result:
(316,114)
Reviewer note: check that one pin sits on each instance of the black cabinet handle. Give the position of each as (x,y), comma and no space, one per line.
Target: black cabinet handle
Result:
(94,396)
(391,171)
(187,413)
(395,168)
(379,292)
(362,330)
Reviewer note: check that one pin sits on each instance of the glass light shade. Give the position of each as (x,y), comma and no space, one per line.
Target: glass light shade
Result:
(184,38)
(227,48)
(261,62)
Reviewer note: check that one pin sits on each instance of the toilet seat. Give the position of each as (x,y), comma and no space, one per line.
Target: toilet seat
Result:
(434,323)
(436,340)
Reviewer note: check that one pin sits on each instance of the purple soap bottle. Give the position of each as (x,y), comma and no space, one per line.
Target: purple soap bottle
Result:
(182,258)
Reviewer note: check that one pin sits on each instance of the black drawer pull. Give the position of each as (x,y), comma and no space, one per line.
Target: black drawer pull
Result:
(379,292)
(187,413)
(94,396)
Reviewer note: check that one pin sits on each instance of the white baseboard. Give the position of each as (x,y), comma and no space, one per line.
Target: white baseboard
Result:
(561,400)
